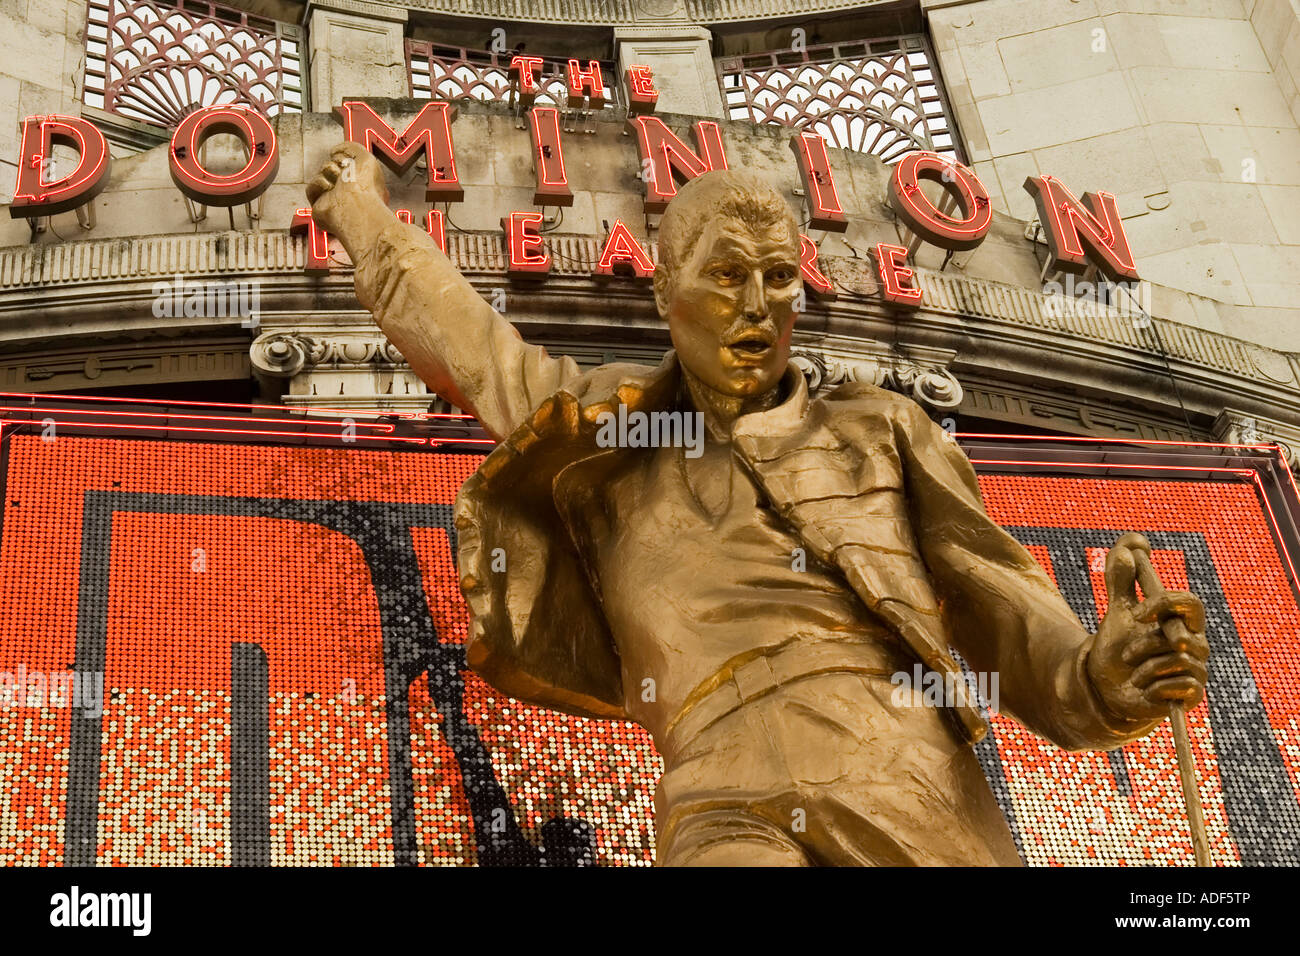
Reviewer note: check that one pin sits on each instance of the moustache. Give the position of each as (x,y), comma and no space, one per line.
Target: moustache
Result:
(742,331)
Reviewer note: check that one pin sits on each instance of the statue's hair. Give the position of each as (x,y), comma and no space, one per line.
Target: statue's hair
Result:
(722,194)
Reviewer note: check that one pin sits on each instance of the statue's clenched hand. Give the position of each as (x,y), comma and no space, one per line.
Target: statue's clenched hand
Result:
(349,198)
(1135,667)
(463,349)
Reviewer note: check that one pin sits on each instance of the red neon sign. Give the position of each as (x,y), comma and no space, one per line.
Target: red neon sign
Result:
(436,226)
(622,255)
(548,158)
(36,193)
(527,250)
(1081,233)
(1084,233)
(815,282)
(522,69)
(924,218)
(818,183)
(642,96)
(708,136)
(586,84)
(433,225)
(213,189)
(663,154)
(429,132)
(895,277)
(318,242)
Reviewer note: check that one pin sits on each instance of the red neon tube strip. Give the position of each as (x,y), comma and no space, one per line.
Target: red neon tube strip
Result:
(386,427)
(63,397)
(217,431)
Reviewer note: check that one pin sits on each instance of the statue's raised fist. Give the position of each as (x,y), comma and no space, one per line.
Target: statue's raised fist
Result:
(348,189)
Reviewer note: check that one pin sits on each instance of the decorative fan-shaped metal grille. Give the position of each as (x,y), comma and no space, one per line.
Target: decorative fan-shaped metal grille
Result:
(157,62)
(880,96)
(444,72)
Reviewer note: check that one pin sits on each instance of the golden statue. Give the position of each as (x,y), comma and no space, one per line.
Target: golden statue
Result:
(746,590)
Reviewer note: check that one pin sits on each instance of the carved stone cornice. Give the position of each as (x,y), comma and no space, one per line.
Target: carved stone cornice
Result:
(99,266)
(362,8)
(146,363)
(1021,406)
(584,12)
(535,11)
(721,11)
(51,296)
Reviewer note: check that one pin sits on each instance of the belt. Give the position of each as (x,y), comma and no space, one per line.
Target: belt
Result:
(761,675)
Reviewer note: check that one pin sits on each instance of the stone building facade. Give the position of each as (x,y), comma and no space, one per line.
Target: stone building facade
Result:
(1187,110)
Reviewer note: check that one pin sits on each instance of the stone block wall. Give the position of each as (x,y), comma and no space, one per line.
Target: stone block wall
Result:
(1186,109)
(40,71)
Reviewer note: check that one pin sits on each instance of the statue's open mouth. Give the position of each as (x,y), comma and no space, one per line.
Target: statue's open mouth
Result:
(751,346)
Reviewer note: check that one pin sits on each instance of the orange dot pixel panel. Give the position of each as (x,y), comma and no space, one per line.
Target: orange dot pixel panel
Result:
(220,654)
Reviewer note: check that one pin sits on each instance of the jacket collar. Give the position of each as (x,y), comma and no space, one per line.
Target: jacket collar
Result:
(643,388)
(780,419)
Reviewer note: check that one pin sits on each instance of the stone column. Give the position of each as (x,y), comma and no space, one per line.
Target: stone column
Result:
(682,61)
(1277,24)
(355,48)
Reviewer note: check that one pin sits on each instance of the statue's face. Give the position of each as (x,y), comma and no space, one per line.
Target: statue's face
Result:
(730,307)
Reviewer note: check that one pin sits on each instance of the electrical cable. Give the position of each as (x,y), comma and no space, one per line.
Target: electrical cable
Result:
(1164,355)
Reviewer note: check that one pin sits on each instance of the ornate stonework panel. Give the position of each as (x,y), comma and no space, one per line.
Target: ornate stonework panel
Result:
(880,96)
(285,354)
(442,72)
(336,366)
(152,62)
(929,383)
(1236,427)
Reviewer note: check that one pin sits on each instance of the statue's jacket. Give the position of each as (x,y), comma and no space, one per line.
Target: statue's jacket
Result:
(870,484)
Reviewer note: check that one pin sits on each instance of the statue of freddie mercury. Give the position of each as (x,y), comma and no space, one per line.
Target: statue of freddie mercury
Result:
(665,587)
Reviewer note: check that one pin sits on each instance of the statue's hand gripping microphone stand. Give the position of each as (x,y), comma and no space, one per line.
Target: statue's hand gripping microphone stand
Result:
(1180,638)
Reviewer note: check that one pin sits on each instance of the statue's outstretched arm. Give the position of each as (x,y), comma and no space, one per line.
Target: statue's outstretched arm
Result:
(461,347)
(1003,612)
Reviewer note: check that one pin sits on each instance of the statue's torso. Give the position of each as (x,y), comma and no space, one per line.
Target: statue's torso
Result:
(698,575)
